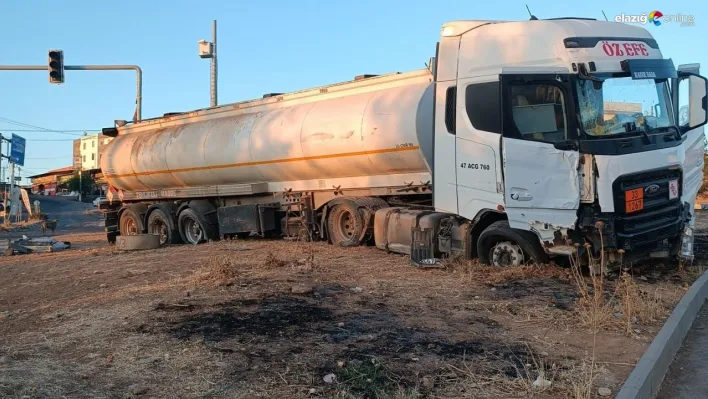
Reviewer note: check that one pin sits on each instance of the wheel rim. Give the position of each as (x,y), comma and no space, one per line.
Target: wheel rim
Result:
(159,228)
(506,253)
(193,231)
(131,228)
(346,224)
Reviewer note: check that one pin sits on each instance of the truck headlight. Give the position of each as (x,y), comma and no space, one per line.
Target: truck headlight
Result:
(687,244)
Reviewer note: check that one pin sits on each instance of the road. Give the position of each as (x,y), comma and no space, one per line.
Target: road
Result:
(72,217)
(688,375)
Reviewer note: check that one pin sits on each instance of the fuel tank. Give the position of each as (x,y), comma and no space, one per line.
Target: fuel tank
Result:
(353,129)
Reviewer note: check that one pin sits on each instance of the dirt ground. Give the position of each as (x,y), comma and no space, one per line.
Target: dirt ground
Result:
(267,318)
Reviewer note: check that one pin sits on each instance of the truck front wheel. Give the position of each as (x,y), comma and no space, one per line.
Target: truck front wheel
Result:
(500,245)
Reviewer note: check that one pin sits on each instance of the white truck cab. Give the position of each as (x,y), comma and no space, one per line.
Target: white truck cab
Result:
(578,130)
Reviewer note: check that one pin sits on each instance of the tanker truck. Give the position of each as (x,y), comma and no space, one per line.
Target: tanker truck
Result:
(513,146)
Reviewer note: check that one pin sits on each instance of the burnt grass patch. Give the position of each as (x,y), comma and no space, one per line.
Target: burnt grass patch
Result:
(272,317)
(560,293)
(381,351)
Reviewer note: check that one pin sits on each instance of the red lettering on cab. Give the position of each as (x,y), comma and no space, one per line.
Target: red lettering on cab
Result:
(622,49)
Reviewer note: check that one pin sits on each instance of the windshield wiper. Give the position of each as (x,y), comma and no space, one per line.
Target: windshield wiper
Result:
(665,129)
(631,127)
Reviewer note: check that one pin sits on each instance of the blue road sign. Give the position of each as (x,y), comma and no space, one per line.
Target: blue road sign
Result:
(17,150)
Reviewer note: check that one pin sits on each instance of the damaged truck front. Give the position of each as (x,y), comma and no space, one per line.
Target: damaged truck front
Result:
(524,140)
(609,152)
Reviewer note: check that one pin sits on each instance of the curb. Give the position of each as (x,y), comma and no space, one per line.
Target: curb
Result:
(649,373)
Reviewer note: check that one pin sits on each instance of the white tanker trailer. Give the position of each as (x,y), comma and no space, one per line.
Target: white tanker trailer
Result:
(509,147)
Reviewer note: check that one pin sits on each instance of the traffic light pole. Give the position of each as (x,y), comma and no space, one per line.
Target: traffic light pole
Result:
(138,73)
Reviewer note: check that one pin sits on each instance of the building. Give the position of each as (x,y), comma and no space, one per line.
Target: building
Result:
(613,108)
(88,151)
(49,183)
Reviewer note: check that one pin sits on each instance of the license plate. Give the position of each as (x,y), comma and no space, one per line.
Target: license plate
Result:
(634,200)
(673,189)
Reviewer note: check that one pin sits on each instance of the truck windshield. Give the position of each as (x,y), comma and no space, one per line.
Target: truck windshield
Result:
(623,105)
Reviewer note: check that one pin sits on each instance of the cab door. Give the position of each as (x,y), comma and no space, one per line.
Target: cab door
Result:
(540,153)
(689,97)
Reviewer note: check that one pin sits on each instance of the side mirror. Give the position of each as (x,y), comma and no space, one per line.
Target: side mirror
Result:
(697,101)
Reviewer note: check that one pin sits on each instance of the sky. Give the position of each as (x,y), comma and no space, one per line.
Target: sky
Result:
(263,47)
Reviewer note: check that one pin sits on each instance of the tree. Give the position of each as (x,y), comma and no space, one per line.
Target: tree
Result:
(84,184)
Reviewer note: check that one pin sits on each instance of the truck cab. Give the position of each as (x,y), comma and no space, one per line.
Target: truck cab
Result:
(576,131)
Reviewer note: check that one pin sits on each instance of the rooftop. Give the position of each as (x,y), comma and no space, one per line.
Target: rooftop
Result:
(61,171)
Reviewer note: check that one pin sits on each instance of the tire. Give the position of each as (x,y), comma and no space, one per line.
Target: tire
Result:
(159,223)
(130,223)
(501,245)
(344,225)
(194,229)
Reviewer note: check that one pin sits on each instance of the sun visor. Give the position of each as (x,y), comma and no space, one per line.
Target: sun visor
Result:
(649,69)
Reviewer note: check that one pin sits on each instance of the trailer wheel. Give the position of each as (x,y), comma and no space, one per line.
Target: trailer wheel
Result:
(131,223)
(345,224)
(500,245)
(192,228)
(159,224)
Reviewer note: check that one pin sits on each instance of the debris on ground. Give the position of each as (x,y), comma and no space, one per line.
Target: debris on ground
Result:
(27,245)
(301,289)
(329,378)
(541,383)
(431,262)
(138,390)
(604,391)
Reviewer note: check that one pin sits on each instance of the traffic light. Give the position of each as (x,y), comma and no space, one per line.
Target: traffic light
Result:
(56,66)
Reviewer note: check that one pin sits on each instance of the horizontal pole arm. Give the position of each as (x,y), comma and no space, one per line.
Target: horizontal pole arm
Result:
(138,72)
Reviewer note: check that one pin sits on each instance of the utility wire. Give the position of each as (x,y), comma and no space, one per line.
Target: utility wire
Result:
(45,140)
(54,131)
(41,129)
(60,157)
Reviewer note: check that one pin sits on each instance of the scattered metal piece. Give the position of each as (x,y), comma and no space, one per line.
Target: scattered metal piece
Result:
(26,245)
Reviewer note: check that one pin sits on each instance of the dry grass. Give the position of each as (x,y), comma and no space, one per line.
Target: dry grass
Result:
(594,306)
(580,379)
(638,305)
(220,271)
(473,271)
(305,262)
(534,376)
(105,333)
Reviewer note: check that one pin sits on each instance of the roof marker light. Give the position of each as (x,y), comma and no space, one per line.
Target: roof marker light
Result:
(448,31)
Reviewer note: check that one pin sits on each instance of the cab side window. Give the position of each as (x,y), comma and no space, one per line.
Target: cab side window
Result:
(538,112)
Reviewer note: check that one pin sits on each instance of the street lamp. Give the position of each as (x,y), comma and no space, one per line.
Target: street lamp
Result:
(208,50)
